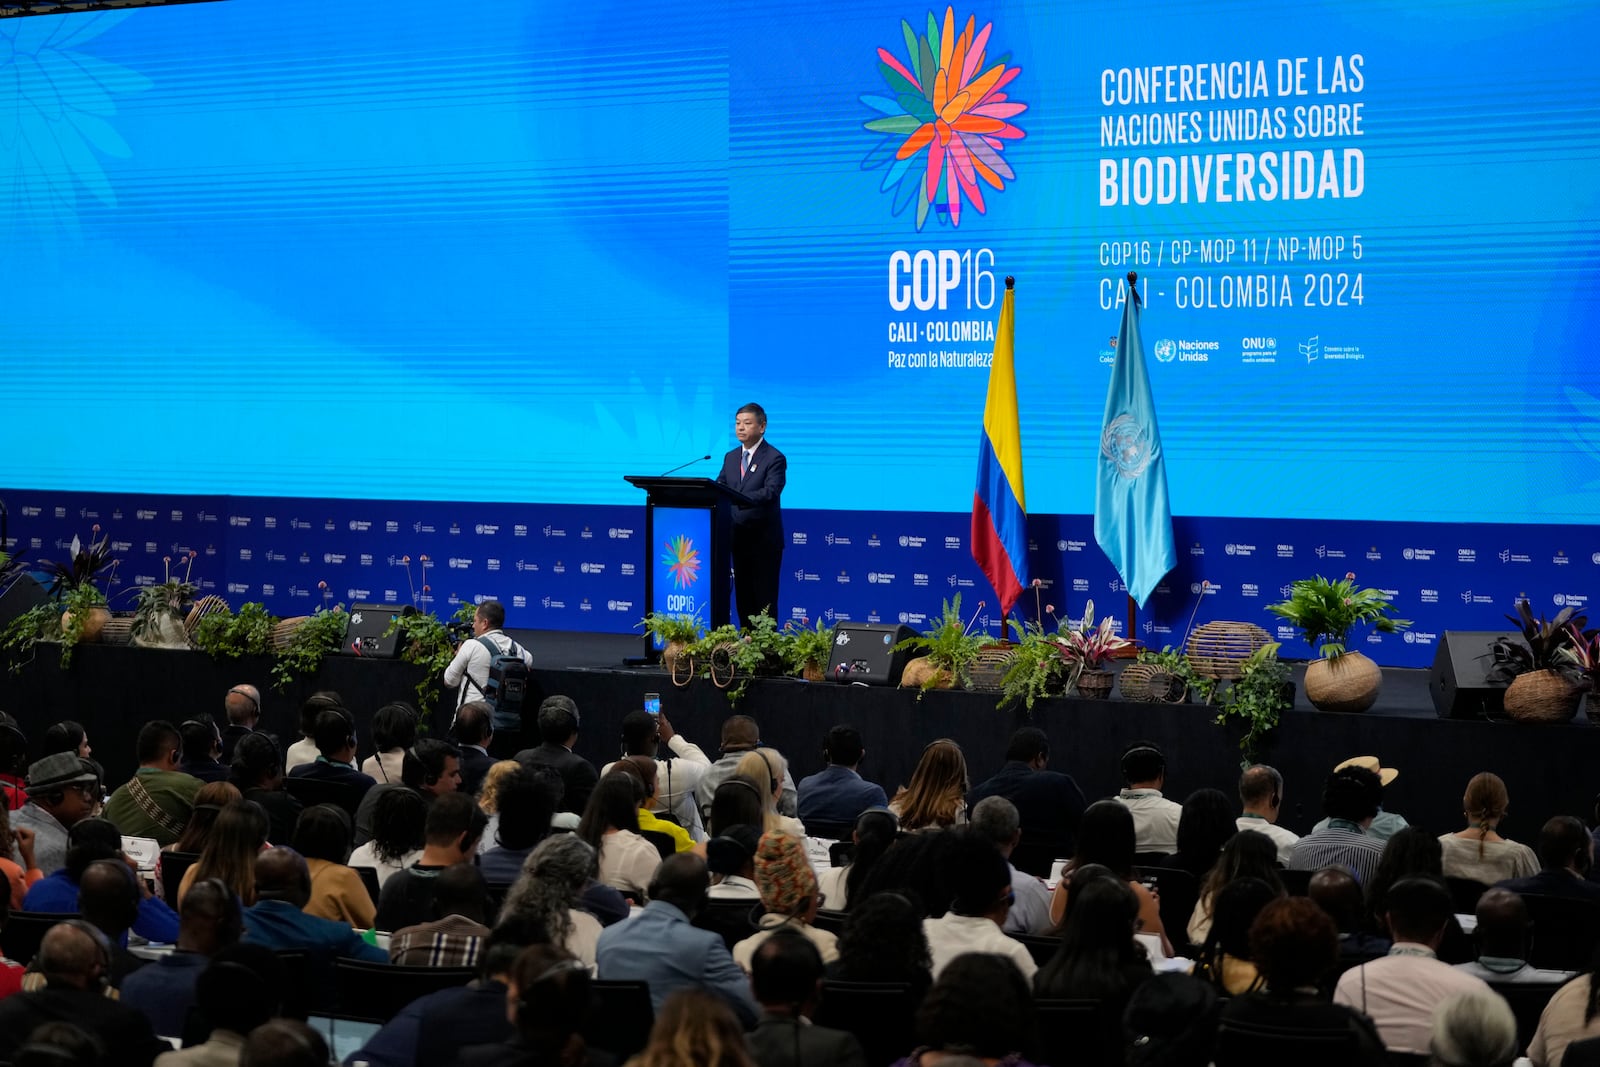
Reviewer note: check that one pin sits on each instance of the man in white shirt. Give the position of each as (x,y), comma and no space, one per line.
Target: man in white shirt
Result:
(996,820)
(1261,796)
(470,668)
(1400,991)
(983,896)
(1155,818)
(642,734)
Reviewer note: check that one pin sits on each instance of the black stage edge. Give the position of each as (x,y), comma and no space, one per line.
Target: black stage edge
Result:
(112,690)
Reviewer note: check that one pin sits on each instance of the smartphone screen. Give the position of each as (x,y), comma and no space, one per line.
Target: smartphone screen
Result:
(652,703)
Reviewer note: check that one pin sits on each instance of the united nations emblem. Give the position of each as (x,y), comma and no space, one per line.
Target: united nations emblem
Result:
(1126,443)
(1166,350)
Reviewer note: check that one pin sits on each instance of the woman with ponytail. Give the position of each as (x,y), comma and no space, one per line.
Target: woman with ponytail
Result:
(1479,852)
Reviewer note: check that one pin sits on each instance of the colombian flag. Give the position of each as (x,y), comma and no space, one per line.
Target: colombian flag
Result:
(999,504)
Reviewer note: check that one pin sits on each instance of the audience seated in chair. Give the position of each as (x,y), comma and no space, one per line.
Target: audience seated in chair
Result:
(237,992)
(1205,825)
(1225,960)
(936,796)
(210,921)
(158,800)
(610,825)
(201,745)
(1261,803)
(547,1000)
(91,840)
(874,832)
(451,836)
(883,942)
(996,820)
(1479,852)
(108,899)
(1566,854)
(1098,958)
(1474,1030)
(1295,946)
(230,852)
(1350,799)
(692,1028)
(398,819)
(335,737)
(258,772)
(979,904)
(1400,990)
(394,730)
(550,891)
(786,975)
(1248,854)
(322,837)
(558,732)
(63,790)
(1336,891)
(75,962)
(789,896)
(979,1005)
(283,885)
(660,947)
(458,929)
(1501,937)
(837,793)
(432,1029)
(1106,837)
(1155,818)
(731,859)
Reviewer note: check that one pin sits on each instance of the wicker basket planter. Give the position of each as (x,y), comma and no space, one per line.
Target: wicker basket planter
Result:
(1096,685)
(990,666)
(119,631)
(1542,697)
(1218,649)
(206,605)
(1149,684)
(920,673)
(1346,683)
(283,631)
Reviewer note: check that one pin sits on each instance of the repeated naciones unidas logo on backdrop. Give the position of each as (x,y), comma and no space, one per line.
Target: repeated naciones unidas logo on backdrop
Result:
(946,122)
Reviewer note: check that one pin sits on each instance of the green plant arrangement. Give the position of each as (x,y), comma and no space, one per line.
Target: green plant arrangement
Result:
(1582,653)
(1038,666)
(80,605)
(430,643)
(85,564)
(807,649)
(42,622)
(319,635)
(673,629)
(160,606)
(1258,697)
(949,649)
(1551,645)
(1325,611)
(227,635)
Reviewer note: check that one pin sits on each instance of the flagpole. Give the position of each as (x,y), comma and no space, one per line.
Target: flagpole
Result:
(1133,605)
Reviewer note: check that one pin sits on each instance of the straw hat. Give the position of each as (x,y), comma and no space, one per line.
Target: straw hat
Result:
(1385,774)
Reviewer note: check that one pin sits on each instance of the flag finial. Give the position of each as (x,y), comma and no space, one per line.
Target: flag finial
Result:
(1133,287)
(1011,283)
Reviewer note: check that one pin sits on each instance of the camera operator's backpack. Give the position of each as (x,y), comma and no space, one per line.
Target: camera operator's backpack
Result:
(506,686)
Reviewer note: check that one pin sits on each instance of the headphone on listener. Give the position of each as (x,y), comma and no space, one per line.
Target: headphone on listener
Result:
(255,705)
(102,946)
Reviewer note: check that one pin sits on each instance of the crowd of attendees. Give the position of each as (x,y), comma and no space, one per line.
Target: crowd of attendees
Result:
(1004,921)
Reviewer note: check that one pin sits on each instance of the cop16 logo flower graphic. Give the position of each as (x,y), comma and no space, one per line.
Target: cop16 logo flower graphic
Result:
(944,125)
(682,561)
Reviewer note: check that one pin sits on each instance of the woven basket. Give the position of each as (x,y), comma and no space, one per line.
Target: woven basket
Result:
(1542,696)
(1346,683)
(990,666)
(1149,684)
(918,672)
(206,605)
(283,631)
(1218,649)
(678,662)
(119,631)
(723,670)
(1096,685)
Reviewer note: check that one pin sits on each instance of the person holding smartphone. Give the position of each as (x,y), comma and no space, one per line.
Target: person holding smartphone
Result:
(676,777)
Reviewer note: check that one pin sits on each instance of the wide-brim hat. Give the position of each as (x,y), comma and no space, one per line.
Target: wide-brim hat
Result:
(1371,763)
(58,770)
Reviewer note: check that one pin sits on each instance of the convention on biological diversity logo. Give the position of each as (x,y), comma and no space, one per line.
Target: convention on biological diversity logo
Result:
(682,561)
(944,125)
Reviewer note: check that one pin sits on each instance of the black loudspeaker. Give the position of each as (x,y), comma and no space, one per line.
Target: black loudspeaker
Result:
(1457,681)
(22,595)
(364,635)
(863,652)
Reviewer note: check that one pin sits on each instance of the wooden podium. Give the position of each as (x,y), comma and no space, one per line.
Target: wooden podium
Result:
(688,525)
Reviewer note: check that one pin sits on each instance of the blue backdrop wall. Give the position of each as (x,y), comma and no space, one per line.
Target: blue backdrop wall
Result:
(448,276)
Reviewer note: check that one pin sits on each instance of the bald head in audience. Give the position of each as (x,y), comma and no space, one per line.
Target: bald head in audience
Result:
(69,955)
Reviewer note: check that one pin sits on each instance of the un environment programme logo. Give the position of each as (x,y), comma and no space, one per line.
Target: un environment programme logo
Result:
(682,561)
(1166,351)
(1125,442)
(945,123)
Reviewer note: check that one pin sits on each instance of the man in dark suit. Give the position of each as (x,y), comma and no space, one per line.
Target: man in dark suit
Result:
(786,975)
(335,736)
(758,471)
(474,731)
(1048,803)
(837,793)
(558,727)
(1566,853)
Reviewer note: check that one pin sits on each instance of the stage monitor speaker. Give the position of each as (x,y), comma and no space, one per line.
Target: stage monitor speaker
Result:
(1458,681)
(364,635)
(863,653)
(23,594)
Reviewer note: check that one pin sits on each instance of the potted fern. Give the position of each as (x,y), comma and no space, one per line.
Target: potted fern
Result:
(1325,612)
(677,634)
(946,652)
(807,649)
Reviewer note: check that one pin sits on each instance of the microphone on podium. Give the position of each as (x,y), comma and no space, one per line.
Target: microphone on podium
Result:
(679,467)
